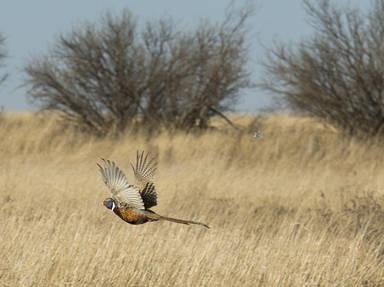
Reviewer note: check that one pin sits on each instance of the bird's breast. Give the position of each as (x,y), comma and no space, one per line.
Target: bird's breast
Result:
(131,215)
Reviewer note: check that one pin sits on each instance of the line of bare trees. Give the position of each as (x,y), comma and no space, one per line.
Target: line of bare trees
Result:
(105,77)
(114,74)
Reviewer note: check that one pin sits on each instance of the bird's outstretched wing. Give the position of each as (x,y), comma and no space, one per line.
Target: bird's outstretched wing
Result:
(144,171)
(149,195)
(122,191)
(144,168)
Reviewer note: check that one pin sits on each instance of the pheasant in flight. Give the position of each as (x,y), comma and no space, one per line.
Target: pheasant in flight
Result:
(132,202)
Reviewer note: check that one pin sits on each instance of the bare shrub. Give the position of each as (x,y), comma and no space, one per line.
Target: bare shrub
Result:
(336,74)
(108,76)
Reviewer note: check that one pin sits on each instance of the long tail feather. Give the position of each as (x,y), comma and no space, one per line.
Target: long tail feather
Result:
(188,222)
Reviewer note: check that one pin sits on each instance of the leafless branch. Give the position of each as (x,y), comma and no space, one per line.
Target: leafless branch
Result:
(3,55)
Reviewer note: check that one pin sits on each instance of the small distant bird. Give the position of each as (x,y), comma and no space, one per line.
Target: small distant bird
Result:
(257,134)
(132,202)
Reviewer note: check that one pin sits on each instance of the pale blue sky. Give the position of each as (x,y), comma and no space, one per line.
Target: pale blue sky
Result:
(31,27)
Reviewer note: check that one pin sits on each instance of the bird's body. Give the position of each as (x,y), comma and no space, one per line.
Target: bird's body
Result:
(132,202)
(135,216)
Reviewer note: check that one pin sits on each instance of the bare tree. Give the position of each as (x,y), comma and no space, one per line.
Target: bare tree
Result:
(3,55)
(105,77)
(338,73)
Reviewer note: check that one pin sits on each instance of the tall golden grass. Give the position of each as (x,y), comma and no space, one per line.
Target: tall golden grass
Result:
(300,207)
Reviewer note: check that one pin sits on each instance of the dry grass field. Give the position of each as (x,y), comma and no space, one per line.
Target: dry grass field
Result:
(300,207)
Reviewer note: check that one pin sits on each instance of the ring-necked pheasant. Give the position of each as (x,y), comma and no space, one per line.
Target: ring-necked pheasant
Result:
(132,202)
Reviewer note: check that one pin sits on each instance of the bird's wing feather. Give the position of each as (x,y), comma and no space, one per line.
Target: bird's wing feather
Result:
(149,195)
(116,181)
(144,168)
(144,171)
(130,197)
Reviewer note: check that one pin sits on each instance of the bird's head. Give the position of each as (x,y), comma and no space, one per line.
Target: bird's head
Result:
(109,203)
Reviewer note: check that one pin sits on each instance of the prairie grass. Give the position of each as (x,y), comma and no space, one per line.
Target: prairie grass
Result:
(301,206)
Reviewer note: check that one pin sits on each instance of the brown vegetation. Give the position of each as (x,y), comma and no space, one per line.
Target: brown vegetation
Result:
(300,207)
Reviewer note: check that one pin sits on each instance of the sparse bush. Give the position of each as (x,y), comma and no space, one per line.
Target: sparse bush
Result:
(336,74)
(108,76)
